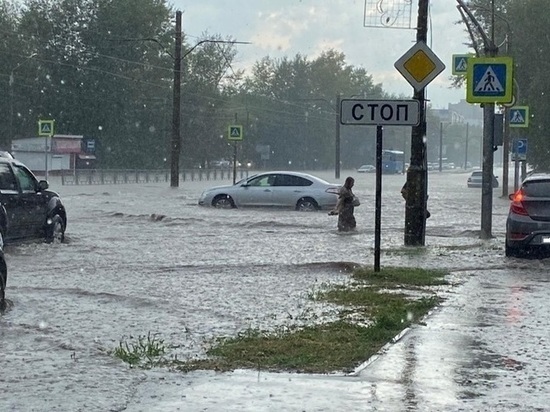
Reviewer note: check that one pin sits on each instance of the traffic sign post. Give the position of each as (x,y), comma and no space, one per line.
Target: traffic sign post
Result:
(46,129)
(489,80)
(380,112)
(419,65)
(519,152)
(235,134)
(460,63)
(518,116)
(519,156)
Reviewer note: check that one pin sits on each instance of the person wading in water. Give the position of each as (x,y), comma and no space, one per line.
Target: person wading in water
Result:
(346,206)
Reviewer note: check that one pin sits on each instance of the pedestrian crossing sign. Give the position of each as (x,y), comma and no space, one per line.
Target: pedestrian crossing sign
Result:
(235,132)
(489,80)
(45,127)
(518,116)
(460,63)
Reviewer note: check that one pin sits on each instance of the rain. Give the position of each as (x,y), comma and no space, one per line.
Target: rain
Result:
(145,258)
(142,260)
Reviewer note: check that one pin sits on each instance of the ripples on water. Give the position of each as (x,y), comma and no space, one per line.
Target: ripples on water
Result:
(142,259)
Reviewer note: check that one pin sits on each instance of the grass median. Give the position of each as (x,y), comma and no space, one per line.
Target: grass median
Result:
(374,308)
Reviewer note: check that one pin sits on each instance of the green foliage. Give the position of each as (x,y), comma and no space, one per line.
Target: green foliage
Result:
(507,27)
(146,352)
(104,69)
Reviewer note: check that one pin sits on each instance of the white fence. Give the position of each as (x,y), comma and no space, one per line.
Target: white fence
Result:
(126,176)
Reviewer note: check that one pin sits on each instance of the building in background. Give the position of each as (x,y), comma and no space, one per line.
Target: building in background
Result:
(60,153)
(461,112)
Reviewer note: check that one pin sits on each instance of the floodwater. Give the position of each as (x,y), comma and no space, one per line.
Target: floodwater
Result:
(145,259)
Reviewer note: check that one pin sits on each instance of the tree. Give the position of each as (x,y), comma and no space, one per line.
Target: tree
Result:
(16,66)
(297,115)
(531,72)
(99,75)
(507,26)
(207,92)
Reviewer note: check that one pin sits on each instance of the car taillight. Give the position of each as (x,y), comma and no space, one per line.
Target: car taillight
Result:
(517,236)
(517,204)
(333,190)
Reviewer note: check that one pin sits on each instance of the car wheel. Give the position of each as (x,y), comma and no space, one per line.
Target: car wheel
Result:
(56,230)
(307,205)
(511,251)
(223,202)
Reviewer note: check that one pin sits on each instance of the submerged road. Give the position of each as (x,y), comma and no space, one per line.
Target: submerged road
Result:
(146,258)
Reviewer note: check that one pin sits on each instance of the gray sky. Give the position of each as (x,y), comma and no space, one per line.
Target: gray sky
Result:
(280,28)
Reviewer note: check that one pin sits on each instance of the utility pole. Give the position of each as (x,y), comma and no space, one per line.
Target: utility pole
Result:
(491,50)
(506,153)
(337,140)
(440,147)
(488,146)
(176,137)
(417,176)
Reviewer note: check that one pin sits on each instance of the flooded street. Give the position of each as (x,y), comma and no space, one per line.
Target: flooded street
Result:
(145,259)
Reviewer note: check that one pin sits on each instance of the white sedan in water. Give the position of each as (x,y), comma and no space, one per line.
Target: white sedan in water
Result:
(298,191)
(366,169)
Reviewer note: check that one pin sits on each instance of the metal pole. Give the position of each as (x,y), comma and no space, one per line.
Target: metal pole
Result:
(378,200)
(466,150)
(516,175)
(487,172)
(440,146)
(488,148)
(235,153)
(505,153)
(176,138)
(337,139)
(10,136)
(46,157)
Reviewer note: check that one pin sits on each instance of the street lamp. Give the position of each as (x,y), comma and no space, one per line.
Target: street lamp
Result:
(176,110)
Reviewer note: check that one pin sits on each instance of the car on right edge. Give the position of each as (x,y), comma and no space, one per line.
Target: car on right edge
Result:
(528,222)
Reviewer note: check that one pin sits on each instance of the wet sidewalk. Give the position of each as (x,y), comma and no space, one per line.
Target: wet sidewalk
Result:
(484,349)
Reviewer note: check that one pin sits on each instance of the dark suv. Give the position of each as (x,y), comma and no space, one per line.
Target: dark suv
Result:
(528,222)
(28,210)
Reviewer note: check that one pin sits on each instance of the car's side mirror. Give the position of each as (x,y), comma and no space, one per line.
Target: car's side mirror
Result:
(511,196)
(43,185)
